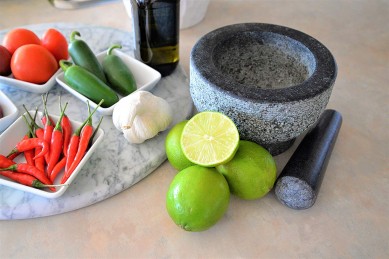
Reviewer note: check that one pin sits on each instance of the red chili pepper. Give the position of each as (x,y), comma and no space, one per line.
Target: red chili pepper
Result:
(95,132)
(46,116)
(56,144)
(29,144)
(67,132)
(40,161)
(48,131)
(29,154)
(57,168)
(39,133)
(44,120)
(37,129)
(26,179)
(85,136)
(66,129)
(78,145)
(5,161)
(12,156)
(48,127)
(82,147)
(31,170)
(72,149)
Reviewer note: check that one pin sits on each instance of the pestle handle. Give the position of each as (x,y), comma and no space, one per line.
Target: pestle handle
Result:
(299,182)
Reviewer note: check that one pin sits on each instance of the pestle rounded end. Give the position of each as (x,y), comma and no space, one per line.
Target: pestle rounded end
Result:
(294,193)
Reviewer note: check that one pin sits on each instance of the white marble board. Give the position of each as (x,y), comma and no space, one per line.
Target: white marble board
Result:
(116,165)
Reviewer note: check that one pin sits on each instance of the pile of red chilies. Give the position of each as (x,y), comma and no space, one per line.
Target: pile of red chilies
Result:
(49,150)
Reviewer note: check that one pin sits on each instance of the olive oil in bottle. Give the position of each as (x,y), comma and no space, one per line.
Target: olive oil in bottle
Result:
(156,27)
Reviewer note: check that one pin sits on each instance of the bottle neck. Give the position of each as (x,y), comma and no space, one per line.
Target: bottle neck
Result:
(145,3)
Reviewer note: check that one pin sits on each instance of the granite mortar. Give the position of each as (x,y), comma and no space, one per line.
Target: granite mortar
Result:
(272,81)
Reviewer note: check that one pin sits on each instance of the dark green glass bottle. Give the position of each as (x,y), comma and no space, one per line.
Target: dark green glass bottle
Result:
(156,28)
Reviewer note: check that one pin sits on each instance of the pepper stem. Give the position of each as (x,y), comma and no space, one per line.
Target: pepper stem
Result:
(39,184)
(73,36)
(95,132)
(89,111)
(64,64)
(31,118)
(46,113)
(58,125)
(78,131)
(116,46)
(10,168)
(13,151)
(31,131)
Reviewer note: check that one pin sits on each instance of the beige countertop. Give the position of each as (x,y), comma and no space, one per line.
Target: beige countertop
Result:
(350,218)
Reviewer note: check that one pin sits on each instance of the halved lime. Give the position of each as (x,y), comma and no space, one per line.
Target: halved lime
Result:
(209,139)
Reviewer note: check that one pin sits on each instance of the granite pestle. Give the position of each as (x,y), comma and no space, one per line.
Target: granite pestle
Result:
(299,182)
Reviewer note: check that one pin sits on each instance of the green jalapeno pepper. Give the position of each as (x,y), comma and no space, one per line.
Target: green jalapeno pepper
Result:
(87,84)
(118,74)
(84,57)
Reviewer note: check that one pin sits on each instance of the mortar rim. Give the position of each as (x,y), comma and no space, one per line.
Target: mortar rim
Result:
(323,77)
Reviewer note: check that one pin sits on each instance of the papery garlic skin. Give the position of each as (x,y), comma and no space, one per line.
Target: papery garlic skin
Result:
(141,116)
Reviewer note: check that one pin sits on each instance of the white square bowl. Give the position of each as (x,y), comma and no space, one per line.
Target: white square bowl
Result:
(16,132)
(10,111)
(145,77)
(29,87)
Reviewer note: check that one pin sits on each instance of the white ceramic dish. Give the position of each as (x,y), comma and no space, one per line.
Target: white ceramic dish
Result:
(10,111)
(146,78)
(29,87)
(15,133)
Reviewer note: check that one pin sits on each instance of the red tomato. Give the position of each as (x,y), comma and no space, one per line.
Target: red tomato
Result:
(56,43)
(5,61)
(19,37)
(33,63)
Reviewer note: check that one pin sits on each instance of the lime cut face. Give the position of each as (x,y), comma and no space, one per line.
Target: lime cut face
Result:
(209,139)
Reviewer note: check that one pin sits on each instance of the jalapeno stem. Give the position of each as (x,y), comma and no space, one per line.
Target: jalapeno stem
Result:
(64,64)
(73,35)
(116,46)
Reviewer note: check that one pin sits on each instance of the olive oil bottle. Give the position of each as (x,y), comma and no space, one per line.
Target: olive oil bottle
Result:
(156,27)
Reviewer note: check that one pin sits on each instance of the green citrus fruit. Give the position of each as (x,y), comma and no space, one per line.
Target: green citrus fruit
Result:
(251,173)
(209,139)
(197,198)
(173,147)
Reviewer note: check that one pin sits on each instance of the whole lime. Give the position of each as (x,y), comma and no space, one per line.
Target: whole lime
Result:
(197,198)
(173,147)
(251,173)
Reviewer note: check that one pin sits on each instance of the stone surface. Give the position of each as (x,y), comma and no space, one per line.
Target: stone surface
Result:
(299,183)
(116,164)
(236,70)
(295,193)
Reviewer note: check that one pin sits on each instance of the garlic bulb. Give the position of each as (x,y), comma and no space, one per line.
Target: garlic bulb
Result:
(141,115)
